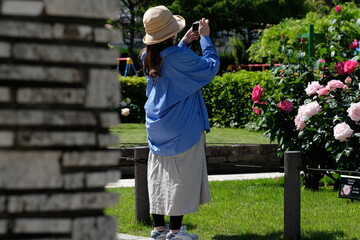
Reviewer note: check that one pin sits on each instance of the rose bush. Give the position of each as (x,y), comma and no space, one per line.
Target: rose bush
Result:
(324,119)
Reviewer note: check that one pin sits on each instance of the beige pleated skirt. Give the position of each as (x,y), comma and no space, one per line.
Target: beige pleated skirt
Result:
(178,184)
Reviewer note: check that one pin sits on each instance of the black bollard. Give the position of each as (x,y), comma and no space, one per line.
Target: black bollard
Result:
(142,206)
(292,166)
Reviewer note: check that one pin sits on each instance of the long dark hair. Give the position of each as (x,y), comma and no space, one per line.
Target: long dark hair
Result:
(152,61)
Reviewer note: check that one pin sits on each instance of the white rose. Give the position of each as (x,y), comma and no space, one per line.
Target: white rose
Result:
(125,111)
(342,131)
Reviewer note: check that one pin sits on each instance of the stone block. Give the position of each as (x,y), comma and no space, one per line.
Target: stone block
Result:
(55,139)
(245,149)
(127,152)
(2,203)
(5,94)
(50,96)
(109,119)
(44,226)
(73,32)
(216,151)
(268,148)
(84,8)
(61,202)
(108,140)
(22,7)
(25,29)
(3,226)
(91,158)
(5,49)
(64,54)
(39,73)
(6,138)
(30,170)
(92,228)
(74,180)
(51,118)
(216,159)
(100,179)
(103,89)
(104,35)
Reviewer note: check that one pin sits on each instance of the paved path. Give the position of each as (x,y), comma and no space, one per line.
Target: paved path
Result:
(228,177)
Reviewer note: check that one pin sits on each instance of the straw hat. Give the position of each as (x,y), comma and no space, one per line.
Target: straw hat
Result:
(160,24)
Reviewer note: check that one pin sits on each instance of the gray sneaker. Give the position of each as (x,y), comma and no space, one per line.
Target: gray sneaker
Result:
(182,235)
(155,234)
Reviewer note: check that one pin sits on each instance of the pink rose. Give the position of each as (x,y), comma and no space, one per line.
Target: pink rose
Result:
(350,66)
(309,110)
(286,106)
(323,91)
(322,60)
(312,88)
(339,68)
(354,44)
(337,8)
(256,93)
(348,80)
(299,123)
(354,111)
(342,132)
(334,84)
(257,111)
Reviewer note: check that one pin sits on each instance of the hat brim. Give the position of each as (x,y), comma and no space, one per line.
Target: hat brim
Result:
(177,24)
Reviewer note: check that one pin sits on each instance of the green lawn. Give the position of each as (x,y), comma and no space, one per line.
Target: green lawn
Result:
(135,134)
(253,210)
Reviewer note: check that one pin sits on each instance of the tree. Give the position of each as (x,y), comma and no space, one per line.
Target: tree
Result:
(225,15)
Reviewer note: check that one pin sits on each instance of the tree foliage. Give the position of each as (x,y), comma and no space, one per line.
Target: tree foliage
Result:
(224,15)
(287,30)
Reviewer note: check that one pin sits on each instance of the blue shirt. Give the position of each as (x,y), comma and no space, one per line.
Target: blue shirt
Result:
(175,109)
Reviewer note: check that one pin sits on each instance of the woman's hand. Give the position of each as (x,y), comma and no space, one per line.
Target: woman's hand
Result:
(190,36)
(204,28)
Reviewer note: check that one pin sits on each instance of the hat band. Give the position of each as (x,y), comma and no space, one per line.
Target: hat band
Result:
(162,27)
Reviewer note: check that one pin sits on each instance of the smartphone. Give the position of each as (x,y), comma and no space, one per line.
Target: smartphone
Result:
(195,26)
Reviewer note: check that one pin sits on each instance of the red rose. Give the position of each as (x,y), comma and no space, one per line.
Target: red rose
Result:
(337,8)
(286,106)
(354,44)
(339,68)
(256,93)
(350,66)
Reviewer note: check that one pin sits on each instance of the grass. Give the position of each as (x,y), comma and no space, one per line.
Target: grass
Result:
(253,210)
(135,134)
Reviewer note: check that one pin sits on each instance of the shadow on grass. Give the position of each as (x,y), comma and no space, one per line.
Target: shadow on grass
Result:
(250,236)
(279,235)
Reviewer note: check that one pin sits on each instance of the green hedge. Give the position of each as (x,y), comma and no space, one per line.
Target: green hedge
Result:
(227,97)
(133,88)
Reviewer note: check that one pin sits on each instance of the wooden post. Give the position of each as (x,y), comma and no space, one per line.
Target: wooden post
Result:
(142,206)
(292,165)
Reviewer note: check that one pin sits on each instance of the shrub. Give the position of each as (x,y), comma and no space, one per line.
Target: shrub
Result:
(287,30)
(133,88)
(228,97)
(322,91)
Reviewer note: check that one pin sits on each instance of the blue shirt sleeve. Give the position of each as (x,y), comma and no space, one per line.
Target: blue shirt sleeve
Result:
(194,71)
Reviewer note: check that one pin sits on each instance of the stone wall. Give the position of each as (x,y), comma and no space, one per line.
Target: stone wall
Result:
(56,95)
(238,158)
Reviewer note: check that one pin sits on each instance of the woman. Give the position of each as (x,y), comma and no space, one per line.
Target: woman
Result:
(176,119)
